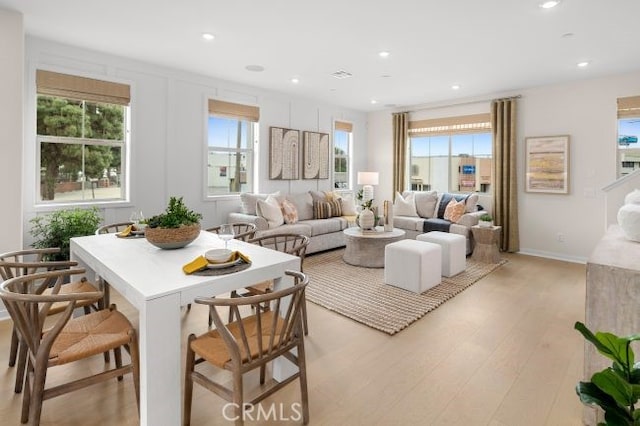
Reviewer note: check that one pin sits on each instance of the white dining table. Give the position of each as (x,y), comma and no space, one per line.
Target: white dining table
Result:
(152,280)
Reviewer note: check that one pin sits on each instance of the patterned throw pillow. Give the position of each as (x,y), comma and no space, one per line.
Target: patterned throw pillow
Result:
(289,212)
(327,209)
(454,211)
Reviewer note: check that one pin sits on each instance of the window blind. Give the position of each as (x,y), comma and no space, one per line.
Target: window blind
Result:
(629,107)
(233,110)
(82,88)
(345,127)
(444,126)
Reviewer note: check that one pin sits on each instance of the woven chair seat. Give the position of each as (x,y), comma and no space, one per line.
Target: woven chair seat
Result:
(74,287)
(212,347)
(90,335)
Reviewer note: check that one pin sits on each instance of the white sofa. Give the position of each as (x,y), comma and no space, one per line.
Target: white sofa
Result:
(429,210)
(324,234)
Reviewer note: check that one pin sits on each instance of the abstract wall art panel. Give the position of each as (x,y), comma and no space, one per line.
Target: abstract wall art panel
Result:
(315,155)
(284,154)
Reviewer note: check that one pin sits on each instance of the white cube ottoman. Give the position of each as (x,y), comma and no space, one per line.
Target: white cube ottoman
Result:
(412,265)
(454,258)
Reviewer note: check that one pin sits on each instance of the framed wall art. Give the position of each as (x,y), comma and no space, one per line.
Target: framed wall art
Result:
(284,153)
(547,164)
(315,152)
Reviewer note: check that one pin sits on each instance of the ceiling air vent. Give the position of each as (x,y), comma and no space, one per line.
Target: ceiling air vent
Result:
(341,74)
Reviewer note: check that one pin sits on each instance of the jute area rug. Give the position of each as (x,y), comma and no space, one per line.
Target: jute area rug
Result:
(360,293)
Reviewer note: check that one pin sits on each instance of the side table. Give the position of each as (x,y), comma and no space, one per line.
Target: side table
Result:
(486,239)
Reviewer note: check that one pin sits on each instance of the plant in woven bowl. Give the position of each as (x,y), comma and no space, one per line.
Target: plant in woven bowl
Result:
(176,227)
(615,389)
(56,229)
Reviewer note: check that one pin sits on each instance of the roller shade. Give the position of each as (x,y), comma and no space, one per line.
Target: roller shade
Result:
(345,127)
(233,110)
(82,88)
(629,107)
(444,126)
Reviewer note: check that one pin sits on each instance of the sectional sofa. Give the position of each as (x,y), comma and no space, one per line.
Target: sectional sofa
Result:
(429,214)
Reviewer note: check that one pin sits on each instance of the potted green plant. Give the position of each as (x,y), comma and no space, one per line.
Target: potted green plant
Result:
(615,389)
(176,227)
(485,221)
(57,228)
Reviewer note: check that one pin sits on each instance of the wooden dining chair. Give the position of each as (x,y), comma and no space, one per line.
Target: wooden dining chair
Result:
(241,230)
(250,343)
(112,228)
(294,244)
(64,339)
(31,261)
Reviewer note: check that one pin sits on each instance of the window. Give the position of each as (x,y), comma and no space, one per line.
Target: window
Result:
(230,152)
(341,154)
(451,154)
(628,134)
(82,132)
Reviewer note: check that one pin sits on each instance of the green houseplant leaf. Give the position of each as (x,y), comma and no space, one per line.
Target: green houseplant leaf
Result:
(615,389)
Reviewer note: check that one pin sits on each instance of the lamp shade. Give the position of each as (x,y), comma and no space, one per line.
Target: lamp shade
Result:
(368,178)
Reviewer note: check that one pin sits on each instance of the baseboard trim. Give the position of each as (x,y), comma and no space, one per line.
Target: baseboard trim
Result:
(555,256)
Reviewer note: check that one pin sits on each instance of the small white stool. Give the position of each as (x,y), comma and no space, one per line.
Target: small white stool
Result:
(454,259)
(412,265)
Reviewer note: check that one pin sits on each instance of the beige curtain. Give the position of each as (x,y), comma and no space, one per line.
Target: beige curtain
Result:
(400,135)
(505,193)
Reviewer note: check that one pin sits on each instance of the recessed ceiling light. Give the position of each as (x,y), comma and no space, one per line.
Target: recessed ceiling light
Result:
(208,36)
(455,86)
(295,80)
(254,68)
(383,54)
(583,64)
(549,4)
(373,101)
(385,76)
(567,35)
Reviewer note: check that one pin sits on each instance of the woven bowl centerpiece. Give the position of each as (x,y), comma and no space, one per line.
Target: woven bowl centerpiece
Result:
(172,238)
(176,227)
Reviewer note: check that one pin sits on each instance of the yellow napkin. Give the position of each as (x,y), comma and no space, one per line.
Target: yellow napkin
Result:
(126,232)
(200,262)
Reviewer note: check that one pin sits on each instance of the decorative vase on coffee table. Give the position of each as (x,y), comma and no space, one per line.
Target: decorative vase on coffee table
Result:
(366,219)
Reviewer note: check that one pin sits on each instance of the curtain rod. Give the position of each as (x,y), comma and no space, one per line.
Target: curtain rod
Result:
(465,103)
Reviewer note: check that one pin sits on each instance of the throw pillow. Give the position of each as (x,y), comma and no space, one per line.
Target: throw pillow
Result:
(270,211)
(248,201)
(405,206)
(327,209)
(454,211)
(348,206)
(443,202)
(289,212)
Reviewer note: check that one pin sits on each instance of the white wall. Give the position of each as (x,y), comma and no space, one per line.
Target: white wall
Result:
(11,88)
(585,110)
(11,111)
(169,114)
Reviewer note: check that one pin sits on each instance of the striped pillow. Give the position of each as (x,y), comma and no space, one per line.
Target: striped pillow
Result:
(327,209)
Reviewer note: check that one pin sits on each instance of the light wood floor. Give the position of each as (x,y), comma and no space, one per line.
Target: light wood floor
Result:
(502,353)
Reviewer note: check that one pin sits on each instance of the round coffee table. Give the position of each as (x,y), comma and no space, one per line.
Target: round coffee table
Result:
(366,248)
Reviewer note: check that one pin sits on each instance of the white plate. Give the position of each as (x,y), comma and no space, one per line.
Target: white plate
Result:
(223,265)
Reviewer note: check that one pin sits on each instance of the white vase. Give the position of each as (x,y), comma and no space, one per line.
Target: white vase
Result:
(629,221)
(366,219)
(633,197)
(485,223)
